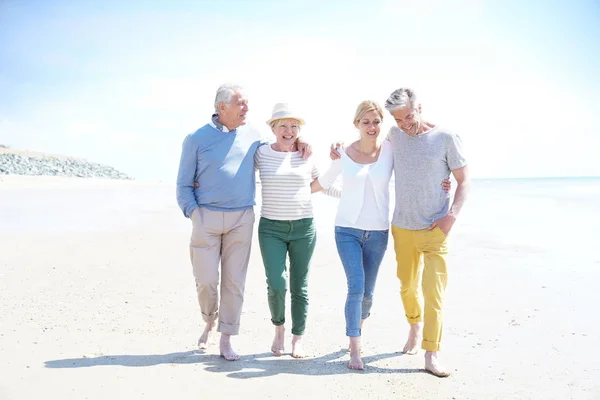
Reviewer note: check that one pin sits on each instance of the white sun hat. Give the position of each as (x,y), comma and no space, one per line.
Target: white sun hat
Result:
(282,111)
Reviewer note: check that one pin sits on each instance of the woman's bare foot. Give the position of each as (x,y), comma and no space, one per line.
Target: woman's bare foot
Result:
(414,337)
(433,365)
(355,360)
(226,350)
(203,341)
(297,349)
(278,342)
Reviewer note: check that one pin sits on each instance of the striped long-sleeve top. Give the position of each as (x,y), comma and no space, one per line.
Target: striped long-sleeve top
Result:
(285,182)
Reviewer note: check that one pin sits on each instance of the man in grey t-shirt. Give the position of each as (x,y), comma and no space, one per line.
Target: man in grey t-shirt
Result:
(424,154)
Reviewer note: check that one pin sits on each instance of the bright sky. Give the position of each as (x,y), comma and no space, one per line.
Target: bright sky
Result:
(123,82)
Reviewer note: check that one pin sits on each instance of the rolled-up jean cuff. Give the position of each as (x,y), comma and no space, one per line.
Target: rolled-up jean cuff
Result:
(353,333)
(228,329)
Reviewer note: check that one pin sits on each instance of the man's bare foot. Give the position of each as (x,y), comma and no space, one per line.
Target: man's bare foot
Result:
(278,342)
(297,349)
(433,365)
(355,360)
(414,337)
(203,341)
(226,350)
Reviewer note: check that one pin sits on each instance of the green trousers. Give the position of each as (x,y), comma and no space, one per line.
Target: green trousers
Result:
(279,239)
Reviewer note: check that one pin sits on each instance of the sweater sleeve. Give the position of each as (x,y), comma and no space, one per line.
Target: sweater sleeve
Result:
(186,175)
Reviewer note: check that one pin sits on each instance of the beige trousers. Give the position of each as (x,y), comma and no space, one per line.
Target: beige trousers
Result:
(224,237)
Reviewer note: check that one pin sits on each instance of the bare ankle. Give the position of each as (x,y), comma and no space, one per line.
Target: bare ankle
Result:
(209,326)
(412,343)
(225,338)
(354,344)
(278,347)
(416,326)
(433,364)
(297,348)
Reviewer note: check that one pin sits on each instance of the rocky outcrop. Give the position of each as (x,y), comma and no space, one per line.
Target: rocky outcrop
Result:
(13,163)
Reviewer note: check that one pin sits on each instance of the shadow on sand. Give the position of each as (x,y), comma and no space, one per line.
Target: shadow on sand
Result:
(249,366)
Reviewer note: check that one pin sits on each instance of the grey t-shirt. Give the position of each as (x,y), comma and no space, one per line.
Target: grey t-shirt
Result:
(420,164)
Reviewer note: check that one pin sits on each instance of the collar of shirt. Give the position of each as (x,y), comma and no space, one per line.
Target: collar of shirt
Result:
(214,122)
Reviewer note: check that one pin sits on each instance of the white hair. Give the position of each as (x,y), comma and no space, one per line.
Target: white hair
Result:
(401,98)
(225,93)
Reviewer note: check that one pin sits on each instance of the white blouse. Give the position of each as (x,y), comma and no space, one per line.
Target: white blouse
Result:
(365,200)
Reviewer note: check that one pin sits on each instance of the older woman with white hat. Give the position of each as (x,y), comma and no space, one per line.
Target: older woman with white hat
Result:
(286,227)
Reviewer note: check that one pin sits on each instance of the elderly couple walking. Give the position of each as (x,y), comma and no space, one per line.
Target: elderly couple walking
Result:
(216,189)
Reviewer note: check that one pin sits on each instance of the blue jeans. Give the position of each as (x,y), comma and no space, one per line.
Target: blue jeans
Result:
(361,253)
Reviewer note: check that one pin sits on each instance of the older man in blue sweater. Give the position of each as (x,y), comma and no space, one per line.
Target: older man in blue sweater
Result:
(215,189)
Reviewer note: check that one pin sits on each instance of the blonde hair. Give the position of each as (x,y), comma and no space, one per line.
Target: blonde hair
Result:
(365,107)
(276,121)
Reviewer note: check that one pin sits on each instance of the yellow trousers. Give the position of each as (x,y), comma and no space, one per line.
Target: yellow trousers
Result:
(421,257)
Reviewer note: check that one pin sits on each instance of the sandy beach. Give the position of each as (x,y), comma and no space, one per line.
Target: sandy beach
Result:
(98,301)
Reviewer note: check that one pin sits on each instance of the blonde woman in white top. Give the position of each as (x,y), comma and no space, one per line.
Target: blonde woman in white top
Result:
(286,227)
(362,221)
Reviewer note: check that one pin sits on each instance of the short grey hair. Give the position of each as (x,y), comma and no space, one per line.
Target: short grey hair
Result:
(401,98)
(225,93)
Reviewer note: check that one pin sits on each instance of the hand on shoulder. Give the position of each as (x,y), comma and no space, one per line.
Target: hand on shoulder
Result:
(335,150)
